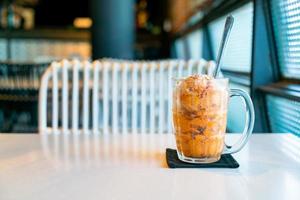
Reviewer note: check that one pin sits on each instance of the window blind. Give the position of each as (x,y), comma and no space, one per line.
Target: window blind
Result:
(283,115)
(286,23)
(179,48)
(195,44)
(237,56)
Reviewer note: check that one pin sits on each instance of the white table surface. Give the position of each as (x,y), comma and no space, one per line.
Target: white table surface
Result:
(55,167)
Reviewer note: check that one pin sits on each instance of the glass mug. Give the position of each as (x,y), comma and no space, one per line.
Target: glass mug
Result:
(200,115)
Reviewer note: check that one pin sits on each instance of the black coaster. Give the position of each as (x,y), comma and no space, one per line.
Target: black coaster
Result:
(226,161)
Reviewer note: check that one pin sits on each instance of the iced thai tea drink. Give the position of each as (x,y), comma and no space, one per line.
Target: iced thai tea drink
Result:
(199,117)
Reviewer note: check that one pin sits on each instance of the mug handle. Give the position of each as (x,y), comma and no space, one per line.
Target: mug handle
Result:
(248,124)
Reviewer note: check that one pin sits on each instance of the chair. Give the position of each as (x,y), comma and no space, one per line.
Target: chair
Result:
(111,95)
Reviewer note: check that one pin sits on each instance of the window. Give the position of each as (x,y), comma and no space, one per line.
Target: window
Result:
(237,56)
(283,114)
(283,109)
(180,49)
(286,25)
(276,96)
(195,44)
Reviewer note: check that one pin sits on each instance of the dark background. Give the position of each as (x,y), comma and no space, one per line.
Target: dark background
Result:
(58,13)
(61,13)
